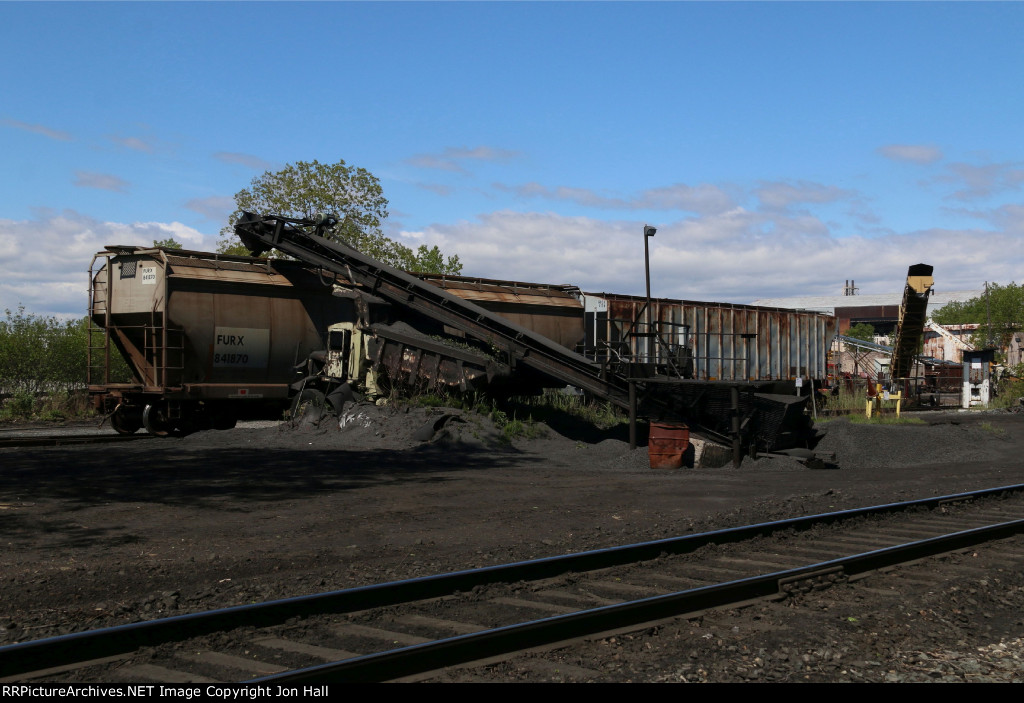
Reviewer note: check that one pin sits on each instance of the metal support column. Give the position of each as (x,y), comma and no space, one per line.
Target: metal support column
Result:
(632,415)
(737,450)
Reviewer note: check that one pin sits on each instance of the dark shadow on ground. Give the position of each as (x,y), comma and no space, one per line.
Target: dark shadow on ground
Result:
(169,472)
(62,533)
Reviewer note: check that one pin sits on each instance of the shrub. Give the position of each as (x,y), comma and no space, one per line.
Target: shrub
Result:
(41,354)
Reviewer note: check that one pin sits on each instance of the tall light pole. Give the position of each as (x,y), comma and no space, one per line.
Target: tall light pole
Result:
(648,233)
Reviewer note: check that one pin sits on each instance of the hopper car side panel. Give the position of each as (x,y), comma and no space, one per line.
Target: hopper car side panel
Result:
(202,335)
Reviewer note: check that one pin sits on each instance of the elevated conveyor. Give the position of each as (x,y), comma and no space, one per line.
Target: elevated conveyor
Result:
(913,315)
(520,346)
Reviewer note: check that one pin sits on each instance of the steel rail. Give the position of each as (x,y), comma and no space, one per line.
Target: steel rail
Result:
(429,656)
(94,644)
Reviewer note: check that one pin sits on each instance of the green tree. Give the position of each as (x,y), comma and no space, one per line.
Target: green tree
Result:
(1004,307)
(41,354)
(306,188)
(46,356)
(862,331)
(169,243)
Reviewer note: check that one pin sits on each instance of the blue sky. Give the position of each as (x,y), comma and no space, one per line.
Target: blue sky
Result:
(780,148)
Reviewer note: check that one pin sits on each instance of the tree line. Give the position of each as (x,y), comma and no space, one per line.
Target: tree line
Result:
(42,354)
(999,314)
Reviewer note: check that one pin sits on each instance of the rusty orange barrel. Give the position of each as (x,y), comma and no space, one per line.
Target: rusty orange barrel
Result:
(666,444)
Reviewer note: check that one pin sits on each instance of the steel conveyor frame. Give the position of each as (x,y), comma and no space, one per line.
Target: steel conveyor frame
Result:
(521,346)
(669,398)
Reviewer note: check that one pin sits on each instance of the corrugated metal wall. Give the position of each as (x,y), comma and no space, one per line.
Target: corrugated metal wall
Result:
(728,341)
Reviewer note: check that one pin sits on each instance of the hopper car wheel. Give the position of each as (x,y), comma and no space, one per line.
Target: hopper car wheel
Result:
(155,420)
(308,407)
(126,420)
(225,421)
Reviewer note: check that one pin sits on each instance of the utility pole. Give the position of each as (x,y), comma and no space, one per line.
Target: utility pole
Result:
(648,233)
(988,319)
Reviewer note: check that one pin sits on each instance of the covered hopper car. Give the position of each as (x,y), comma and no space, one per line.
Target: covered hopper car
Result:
(204,335)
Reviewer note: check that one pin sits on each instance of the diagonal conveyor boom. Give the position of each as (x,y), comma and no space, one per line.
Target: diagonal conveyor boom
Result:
(522,346)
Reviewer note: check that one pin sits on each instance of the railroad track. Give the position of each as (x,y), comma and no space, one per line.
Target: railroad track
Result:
(54,440)
(409,628)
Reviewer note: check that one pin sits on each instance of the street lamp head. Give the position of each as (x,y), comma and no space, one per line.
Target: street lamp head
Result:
(649,231)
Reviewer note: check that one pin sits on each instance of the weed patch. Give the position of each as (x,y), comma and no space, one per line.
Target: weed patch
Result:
(886,420)
(53,407)
(992,429)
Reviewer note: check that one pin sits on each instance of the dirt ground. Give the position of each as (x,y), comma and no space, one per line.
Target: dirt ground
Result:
(108,534)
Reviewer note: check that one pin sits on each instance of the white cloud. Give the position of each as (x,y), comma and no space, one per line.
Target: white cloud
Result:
(914,153)
(738,255)
(434,162)
(482,153)
(703,198)
(984,180)
(43,261)
(449,158)
(1008,218)
(247,160)
(102,181)
(542,247)
(734,256)
(438,188)
(38,129)
(152,231)
(215,208)
(134,143)
(781,194)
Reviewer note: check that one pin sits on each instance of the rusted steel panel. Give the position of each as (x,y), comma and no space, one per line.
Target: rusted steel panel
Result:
(411,359)
(935,345)
(554,311)
(785,344)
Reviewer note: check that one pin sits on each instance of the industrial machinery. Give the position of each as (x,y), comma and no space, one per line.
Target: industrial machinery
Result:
(910,329)
(209,337)
(978,388)
(435,337)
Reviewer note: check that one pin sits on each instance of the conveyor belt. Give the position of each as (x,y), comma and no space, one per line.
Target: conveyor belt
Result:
(521,349)
(520,345)
(913,315)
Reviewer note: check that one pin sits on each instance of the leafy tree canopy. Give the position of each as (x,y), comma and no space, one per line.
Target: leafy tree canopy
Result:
(306,188)
(1005,308)
(862,331)
(169,243)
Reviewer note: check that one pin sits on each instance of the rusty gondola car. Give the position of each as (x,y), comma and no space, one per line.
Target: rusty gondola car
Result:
(706,341)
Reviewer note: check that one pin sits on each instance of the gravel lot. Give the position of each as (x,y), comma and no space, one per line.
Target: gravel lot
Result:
(101,535)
